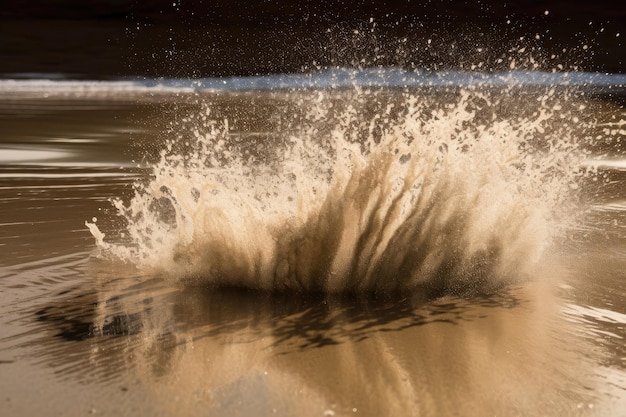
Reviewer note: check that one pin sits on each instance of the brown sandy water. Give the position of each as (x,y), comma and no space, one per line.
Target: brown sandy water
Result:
(83,335)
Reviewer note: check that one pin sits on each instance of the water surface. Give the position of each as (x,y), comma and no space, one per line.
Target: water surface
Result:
(163,335)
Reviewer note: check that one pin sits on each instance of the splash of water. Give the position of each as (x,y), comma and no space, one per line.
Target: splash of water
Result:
(453,190)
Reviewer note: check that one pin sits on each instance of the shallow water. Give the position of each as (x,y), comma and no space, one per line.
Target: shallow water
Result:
(81,333)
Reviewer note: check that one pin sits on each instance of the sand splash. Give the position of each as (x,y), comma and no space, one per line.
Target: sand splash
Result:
(455,189)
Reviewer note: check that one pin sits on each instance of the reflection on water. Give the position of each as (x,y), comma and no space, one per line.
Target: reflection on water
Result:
(295,321)
(238,352)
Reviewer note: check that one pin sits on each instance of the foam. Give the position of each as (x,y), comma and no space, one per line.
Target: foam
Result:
(328,78)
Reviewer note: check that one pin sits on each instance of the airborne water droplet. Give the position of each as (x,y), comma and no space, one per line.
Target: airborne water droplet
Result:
(357,190)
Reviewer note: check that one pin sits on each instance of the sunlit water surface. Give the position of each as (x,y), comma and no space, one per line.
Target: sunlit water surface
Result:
(306,245)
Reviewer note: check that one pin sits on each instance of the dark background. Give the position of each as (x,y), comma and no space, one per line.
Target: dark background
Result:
(179,38)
